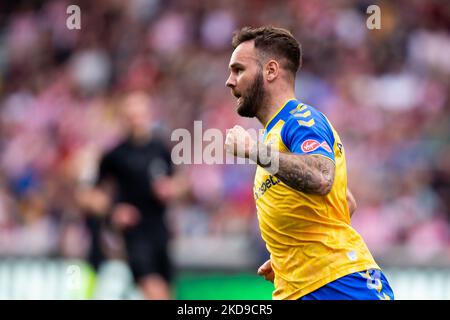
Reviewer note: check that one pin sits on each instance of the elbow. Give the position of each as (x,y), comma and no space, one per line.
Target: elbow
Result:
(326,183)
(325,188)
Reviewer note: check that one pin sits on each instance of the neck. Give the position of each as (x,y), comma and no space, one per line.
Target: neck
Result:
(140,138)
(272,104)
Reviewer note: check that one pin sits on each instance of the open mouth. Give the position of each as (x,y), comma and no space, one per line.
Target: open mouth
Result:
(238,97)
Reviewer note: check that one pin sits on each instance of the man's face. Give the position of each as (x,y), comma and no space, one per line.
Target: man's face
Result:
(246,79)
(136,115)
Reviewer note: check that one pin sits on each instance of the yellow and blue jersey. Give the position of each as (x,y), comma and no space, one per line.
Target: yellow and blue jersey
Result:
(309,237)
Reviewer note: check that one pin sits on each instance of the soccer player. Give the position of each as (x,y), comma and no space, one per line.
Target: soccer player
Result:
(300,185)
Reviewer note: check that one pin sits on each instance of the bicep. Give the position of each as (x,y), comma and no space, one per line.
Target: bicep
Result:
(106,174)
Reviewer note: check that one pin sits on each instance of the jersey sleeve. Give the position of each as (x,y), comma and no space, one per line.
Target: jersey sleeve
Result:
(161,165)
(105,169)
(167,159)
(308,136)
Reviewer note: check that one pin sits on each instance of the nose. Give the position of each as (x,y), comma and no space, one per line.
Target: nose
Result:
(231,81)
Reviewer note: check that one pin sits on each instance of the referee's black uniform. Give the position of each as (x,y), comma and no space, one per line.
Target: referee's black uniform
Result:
(133,168)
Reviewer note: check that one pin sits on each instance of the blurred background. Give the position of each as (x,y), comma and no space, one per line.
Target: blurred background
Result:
(386,92)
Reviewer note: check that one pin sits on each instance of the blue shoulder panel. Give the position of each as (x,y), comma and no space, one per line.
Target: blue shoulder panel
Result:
(307,131)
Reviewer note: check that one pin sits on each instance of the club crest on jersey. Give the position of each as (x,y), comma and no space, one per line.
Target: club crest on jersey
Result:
(311,145)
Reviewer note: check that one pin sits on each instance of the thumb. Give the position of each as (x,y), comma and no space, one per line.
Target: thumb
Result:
(262,270)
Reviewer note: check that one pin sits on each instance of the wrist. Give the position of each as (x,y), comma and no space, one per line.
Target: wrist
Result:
(265,156)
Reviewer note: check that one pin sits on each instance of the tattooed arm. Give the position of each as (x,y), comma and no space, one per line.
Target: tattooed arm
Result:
(312,174)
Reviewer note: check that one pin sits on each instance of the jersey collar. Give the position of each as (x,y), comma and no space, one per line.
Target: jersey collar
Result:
(284,109)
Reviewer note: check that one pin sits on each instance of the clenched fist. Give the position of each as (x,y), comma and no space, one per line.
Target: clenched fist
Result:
(240,143)
(266,271)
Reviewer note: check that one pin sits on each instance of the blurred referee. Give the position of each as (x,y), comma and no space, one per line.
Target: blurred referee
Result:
(135,182)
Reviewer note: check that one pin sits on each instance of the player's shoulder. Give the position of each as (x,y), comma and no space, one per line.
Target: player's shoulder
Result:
(158,144)
(112,152)
(119,148)
(305,116)
(306,130)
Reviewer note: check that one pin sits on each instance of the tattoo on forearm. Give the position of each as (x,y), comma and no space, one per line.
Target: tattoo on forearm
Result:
(306,173)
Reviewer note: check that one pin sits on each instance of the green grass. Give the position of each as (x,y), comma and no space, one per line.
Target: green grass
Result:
(222,286)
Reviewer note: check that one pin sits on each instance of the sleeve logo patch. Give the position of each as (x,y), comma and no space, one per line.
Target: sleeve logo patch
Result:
(311,145)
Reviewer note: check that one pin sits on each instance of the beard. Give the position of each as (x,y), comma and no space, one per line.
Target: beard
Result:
(250,102)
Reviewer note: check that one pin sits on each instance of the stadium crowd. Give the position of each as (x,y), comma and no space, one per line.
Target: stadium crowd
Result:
(386,91)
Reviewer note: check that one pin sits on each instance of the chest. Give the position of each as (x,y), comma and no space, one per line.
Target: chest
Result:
(141,164)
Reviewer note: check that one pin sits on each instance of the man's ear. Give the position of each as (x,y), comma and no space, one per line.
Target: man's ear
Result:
(272,70)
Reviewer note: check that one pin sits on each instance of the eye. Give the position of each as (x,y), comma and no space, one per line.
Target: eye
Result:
(239,70)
